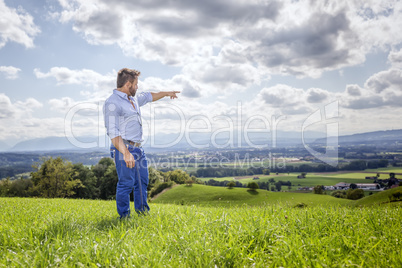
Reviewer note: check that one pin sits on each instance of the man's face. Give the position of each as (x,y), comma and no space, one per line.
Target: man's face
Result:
(133,87)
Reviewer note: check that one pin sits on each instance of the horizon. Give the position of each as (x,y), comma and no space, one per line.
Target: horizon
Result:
(334,68)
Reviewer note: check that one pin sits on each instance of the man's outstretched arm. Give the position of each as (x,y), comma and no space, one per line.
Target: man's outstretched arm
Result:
(162,94)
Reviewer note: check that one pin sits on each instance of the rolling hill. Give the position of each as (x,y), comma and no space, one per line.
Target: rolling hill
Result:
(221,196)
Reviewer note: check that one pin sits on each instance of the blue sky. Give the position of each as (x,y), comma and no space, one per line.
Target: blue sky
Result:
(266,59)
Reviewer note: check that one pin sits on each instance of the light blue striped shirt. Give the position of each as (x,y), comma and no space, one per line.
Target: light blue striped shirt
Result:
(121,119)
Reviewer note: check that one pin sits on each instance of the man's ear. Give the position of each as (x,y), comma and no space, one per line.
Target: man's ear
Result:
(127,84)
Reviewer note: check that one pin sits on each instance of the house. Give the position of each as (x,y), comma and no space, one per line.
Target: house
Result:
(342,186)
(330,188)
(368,186)
(363,186)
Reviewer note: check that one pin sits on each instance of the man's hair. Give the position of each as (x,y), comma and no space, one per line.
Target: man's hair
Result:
(126,75)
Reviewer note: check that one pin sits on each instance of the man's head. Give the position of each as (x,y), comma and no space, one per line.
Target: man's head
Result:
(127,79)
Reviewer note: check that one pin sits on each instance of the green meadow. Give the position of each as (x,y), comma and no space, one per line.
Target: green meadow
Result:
(202,195)
(203,226)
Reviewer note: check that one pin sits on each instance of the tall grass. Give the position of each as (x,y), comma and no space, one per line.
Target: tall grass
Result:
(83,233)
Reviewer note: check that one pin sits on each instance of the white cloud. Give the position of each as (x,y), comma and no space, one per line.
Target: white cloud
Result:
(101,85)
(301,38)
(382,89)
(395,58)
(19,109)
(7,109)
(10,71)
(16,26)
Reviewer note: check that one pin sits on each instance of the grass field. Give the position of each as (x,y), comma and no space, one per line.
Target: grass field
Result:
(224,197)
(85,233)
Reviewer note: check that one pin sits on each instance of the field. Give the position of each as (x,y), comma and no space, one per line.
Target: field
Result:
(312,179)
(202,195)
(87,233)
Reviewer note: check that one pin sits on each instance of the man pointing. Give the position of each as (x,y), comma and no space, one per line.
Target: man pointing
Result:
(123,123)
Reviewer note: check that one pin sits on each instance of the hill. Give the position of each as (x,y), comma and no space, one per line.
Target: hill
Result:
(87,233)
(379,199)
(375,137)
(222,196)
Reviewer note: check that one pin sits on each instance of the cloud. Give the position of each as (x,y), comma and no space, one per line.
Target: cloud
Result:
(382,89)
(353,90)
(390,80)
(10,71)
(61,105)
(395,58)
(315,95)
(302,38)
(101,85)
(18,110)
(7,110)
(16,25)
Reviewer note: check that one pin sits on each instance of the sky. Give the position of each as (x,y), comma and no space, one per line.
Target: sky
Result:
(248,66)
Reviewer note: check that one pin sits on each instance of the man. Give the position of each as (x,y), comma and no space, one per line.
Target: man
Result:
(123,123)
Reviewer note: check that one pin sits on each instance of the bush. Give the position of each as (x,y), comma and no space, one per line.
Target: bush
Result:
(253,186)
(355,194)
(318,189)
(339,194)
(160,187)
(231,184)
(396,196)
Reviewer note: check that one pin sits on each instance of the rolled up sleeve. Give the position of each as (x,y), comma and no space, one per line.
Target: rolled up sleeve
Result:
(144,97)
(111,114)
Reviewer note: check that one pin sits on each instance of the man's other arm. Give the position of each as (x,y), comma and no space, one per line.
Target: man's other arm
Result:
(128,157)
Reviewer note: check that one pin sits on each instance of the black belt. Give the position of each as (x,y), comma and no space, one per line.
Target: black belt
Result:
(135,144)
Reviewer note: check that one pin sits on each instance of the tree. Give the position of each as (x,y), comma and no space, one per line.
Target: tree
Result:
(353,186)
(5,187)
(266,171)
(155,177)
(278,186)
(108,183)
(88,180)
(355,194)
(318,189)
(178,176)
(100,168)
(231,184)
(339,194)
(54,178)
(20,187)
(253,186)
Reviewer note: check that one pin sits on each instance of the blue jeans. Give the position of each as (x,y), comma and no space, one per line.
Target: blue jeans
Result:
(131,179)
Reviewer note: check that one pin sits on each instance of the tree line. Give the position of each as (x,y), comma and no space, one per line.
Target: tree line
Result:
(270,185)
(58,178)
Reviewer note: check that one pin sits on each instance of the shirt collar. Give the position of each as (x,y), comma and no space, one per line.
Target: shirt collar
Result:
(120,94)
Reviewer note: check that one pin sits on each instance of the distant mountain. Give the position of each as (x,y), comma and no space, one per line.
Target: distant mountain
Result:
(168,142)
(376,137)
(4,146)
(52,143)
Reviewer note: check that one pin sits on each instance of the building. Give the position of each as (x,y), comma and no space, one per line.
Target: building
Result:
(368,186)
(364,186)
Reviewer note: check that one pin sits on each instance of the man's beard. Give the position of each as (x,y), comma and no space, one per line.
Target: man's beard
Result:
(132,92)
